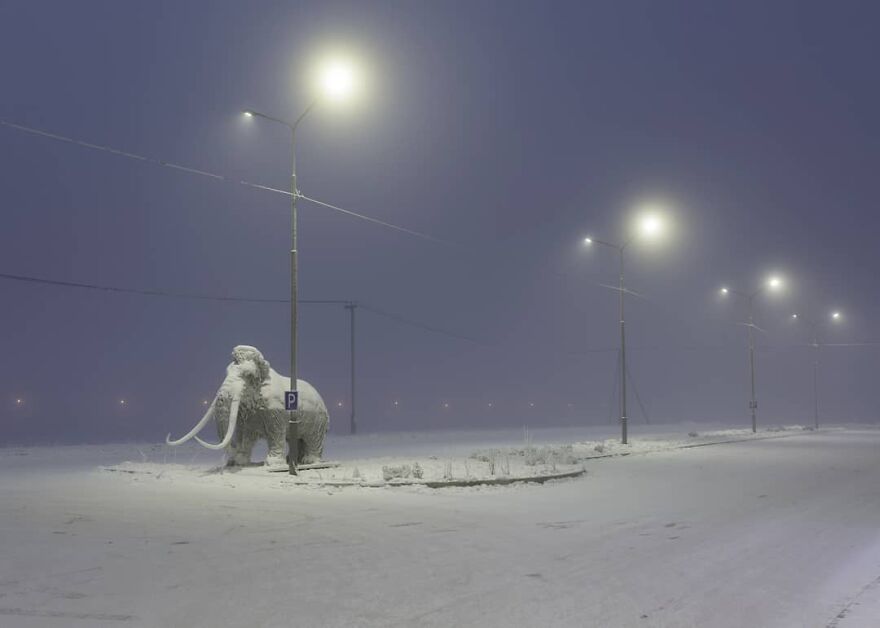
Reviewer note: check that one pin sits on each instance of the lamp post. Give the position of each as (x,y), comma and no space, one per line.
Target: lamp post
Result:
(336,81)
(814,330)
(293,420)
(772,283)
(649,225)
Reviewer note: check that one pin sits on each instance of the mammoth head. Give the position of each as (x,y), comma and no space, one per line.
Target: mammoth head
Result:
(250,363)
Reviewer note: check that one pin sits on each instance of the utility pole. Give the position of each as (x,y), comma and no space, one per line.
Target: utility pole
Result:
(351,307)
(753,403)
(623,419)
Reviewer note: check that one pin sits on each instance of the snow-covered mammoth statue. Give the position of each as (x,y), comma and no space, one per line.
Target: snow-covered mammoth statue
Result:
(249,406)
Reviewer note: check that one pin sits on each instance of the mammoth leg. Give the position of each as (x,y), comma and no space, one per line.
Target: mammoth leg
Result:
(245,446)
(312,431)
(275,432)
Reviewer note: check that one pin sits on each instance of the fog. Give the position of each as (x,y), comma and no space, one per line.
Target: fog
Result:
(509,134)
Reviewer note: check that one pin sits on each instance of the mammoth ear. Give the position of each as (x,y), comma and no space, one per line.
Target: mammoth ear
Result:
(263,363)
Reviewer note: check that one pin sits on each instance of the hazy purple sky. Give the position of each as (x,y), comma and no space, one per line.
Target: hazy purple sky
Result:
(510,128)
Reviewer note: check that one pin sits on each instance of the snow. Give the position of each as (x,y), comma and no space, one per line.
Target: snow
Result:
(774,530)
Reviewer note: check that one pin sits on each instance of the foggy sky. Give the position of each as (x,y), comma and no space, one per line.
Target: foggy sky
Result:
(512,129)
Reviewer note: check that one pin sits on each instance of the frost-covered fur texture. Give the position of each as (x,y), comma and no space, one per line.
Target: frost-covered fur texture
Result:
(261,413)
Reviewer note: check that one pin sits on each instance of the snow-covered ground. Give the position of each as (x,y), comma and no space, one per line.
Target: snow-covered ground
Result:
(783,530)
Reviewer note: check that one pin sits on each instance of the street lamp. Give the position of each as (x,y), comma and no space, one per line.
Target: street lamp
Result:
(834,317)
(337,81)
(649,225)
(772,283)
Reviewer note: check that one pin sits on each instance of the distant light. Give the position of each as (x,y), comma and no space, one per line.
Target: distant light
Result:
(588,240)
(337,79)
(339,403)
(835,315)
(490,404)
(774,283)
(122,402)
(248,114)
(204,402)
(724,290)
(396,402)
(531,404)
(19,401)
(445,405)
(794,315)
(650,224)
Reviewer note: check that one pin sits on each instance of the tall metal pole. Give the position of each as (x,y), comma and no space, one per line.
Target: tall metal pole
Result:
(293,419)
(753,404)
(623,431)
(351,308)
(816,379)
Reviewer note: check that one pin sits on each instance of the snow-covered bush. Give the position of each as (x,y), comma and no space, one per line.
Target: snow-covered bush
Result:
(402,471)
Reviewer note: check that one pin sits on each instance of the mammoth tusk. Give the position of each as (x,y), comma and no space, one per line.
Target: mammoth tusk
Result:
(233,418)
(194,430)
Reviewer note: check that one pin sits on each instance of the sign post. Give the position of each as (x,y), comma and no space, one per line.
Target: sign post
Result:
(291,404)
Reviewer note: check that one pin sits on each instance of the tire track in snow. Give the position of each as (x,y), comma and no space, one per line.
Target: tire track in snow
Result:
(835,623)
(22,612)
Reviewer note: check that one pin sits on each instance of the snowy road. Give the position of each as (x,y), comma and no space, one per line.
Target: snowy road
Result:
(780,532)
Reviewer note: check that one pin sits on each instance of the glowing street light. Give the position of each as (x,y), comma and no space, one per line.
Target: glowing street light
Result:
(337,81)
(773,283)
(649,225)
(834,317)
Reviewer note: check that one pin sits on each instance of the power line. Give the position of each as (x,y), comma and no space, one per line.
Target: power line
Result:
(233,299)
(376,221)
(219,177)
(412,323)
(150,293)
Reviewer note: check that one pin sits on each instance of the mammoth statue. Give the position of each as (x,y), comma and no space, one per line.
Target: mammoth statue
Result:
(249,406)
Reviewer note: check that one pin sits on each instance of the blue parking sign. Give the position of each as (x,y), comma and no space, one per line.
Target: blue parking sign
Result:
(291,400)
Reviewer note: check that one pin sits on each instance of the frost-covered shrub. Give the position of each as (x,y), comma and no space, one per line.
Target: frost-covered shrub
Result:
(600,448)
(693,434)
(566,455)
(417,471)
(537,456)
(396,472)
